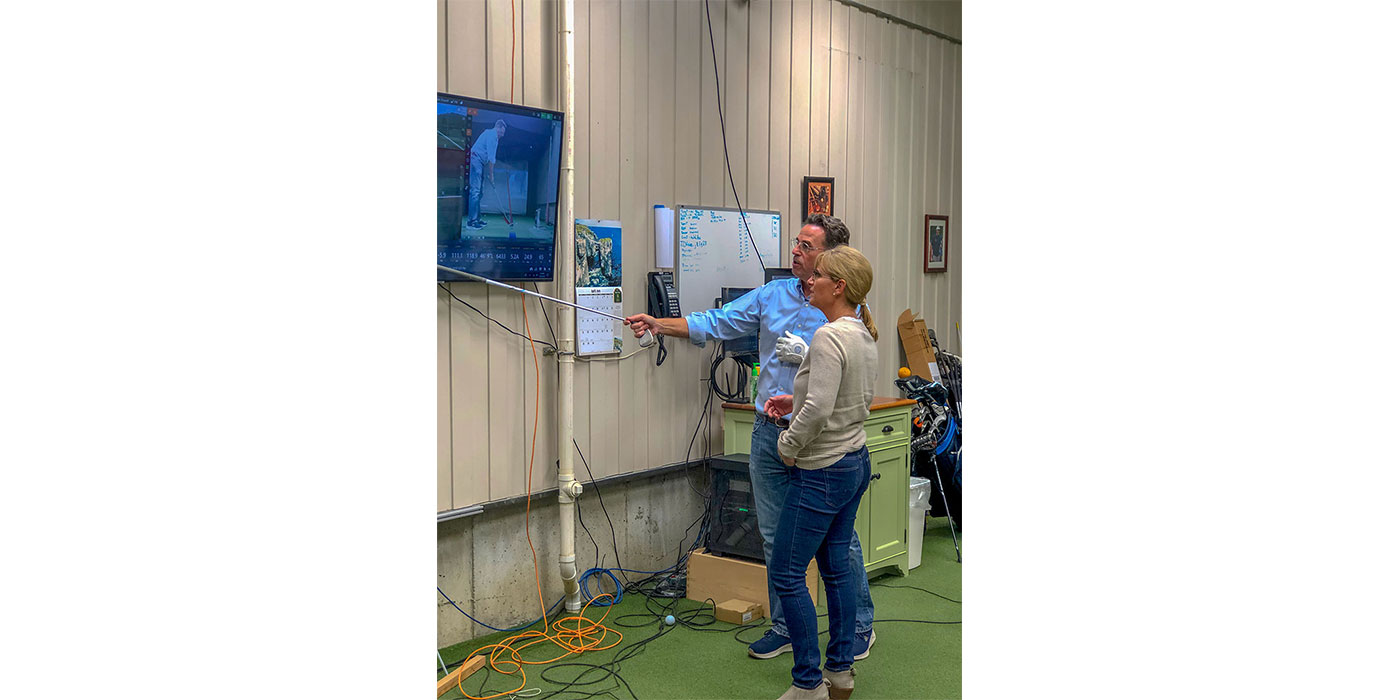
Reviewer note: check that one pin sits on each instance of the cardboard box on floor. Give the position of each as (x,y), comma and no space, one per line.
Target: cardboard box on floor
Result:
(724,578)
(739,612)
(913,335)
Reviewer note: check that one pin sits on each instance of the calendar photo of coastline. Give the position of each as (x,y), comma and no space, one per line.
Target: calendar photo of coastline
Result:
(597,253)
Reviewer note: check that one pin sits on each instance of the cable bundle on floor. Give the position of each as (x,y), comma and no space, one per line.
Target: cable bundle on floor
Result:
(617,593)
(574,634)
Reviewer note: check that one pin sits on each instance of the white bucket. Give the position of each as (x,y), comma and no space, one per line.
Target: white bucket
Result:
(919,491)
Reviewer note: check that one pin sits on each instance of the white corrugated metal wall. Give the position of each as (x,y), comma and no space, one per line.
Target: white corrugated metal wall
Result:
(810,87)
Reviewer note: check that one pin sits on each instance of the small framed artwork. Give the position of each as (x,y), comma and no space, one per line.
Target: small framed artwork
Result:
(935,243)
(818,196)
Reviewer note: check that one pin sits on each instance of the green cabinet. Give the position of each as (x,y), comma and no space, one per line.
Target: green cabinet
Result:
(885,509)
(882,523)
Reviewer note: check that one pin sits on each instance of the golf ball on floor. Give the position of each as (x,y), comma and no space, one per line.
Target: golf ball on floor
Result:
(670,619)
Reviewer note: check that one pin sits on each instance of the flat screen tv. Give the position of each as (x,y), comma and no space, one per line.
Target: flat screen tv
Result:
(498,188)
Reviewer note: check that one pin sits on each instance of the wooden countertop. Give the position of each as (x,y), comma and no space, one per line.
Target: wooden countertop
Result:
(880,402)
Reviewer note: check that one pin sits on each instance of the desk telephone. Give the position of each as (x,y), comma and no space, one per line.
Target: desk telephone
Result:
(662,302)
(662,299)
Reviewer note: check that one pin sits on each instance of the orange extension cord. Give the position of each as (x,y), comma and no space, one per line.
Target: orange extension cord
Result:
(512,62)
(573,640)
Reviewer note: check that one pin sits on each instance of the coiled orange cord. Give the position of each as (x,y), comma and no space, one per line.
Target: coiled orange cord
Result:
(569,634)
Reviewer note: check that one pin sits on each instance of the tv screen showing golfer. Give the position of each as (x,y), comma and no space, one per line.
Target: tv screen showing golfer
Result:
(498,188)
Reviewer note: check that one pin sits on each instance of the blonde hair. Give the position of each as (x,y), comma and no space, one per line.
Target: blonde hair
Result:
(848,264)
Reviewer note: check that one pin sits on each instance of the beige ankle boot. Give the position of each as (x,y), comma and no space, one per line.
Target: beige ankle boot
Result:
(842,683)
(817,693)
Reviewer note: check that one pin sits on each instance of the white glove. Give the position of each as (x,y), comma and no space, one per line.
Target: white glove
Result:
(791,349)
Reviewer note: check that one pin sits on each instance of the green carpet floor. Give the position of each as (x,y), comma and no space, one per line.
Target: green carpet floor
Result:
(909,659)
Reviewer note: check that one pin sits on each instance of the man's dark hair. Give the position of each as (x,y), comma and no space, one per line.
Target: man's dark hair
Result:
(833,229)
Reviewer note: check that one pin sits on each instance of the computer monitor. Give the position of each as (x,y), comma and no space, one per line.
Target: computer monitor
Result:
(497,188)
(745,348)
(776,273)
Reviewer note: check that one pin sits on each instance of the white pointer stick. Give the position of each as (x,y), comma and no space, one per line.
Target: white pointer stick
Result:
(645,341)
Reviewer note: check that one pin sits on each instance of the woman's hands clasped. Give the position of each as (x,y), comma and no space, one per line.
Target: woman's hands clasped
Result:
(778,406)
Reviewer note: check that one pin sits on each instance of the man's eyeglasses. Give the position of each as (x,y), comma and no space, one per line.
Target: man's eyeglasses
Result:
(807,247)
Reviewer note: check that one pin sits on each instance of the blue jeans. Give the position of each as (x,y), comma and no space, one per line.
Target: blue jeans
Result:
(818,519)
(474,189)
(770,484)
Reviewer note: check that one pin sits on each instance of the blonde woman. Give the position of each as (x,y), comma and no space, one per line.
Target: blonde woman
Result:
(824,449)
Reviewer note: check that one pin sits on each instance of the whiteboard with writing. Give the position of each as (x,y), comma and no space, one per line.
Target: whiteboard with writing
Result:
(713,251)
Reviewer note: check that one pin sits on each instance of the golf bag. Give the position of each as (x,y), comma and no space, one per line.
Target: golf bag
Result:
(936,445)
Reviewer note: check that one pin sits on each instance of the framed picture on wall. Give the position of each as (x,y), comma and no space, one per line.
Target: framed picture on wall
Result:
(935,243)
(818,196)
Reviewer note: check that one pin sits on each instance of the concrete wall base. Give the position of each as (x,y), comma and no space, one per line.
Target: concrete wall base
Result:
(485,565)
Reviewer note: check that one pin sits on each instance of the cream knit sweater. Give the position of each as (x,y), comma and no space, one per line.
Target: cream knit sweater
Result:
(831,395)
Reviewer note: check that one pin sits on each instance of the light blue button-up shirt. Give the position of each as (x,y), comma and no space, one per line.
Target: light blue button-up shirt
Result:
(772,309)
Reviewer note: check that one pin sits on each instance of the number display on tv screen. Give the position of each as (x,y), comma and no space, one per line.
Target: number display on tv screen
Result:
(498,188)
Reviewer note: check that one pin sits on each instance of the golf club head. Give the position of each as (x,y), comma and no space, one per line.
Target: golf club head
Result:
(647,339)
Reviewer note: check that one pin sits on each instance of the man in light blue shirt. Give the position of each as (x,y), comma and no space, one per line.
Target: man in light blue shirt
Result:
(778,310)
(483,155)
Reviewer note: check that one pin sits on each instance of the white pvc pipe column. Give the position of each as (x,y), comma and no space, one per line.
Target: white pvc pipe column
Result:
(569,488)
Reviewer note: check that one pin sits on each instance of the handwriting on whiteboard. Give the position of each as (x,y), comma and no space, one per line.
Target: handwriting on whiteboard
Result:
(719,248)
